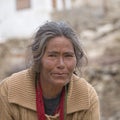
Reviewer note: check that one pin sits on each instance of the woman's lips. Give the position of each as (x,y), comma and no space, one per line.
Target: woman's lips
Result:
(59,74)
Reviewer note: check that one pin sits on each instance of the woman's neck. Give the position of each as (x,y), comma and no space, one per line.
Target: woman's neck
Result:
(49,91)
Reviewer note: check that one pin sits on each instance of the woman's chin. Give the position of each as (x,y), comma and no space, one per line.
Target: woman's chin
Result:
(60,83)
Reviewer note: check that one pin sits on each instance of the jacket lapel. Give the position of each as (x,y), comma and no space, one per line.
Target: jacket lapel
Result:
(78,98)
(21,90)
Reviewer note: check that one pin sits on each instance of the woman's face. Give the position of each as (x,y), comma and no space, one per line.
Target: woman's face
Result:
(58,62)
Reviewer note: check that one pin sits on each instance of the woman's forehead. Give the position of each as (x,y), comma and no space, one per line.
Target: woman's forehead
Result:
(58,41)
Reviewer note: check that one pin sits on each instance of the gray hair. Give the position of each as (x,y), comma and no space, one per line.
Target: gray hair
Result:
(51,30)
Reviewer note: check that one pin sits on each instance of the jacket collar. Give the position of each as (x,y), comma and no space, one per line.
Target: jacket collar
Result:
(77,98)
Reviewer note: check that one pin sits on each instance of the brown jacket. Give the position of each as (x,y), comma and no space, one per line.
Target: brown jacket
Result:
(18,101)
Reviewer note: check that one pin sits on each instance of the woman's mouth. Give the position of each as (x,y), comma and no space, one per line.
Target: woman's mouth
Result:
(60,74)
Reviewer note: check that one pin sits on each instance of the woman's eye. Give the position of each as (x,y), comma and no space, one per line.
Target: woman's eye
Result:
(52,55)
(68,55)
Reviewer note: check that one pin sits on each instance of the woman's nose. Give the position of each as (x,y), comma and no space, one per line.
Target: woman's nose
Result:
(61,63)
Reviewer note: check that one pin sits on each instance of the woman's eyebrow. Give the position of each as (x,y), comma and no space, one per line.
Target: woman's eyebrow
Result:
(55,52)
(52,52)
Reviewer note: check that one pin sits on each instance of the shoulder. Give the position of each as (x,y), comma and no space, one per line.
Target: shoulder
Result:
(82,99)
(18,88)
(81,95)
(14,78)
(83,86)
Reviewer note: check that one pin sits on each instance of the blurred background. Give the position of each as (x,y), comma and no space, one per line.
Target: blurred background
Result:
(97,23)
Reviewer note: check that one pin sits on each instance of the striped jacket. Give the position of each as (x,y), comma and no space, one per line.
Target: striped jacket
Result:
(18,99)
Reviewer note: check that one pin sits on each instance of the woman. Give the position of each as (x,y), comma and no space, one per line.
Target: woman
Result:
(50,88)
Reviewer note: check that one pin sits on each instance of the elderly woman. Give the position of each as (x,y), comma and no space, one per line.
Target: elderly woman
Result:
(50,89)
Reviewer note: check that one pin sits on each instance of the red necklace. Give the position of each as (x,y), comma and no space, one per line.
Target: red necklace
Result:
(40,104)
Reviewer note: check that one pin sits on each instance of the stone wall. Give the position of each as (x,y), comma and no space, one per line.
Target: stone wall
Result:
(12,56)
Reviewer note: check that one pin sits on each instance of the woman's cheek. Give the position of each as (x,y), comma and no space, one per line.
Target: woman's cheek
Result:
(71,66)
(49,63)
